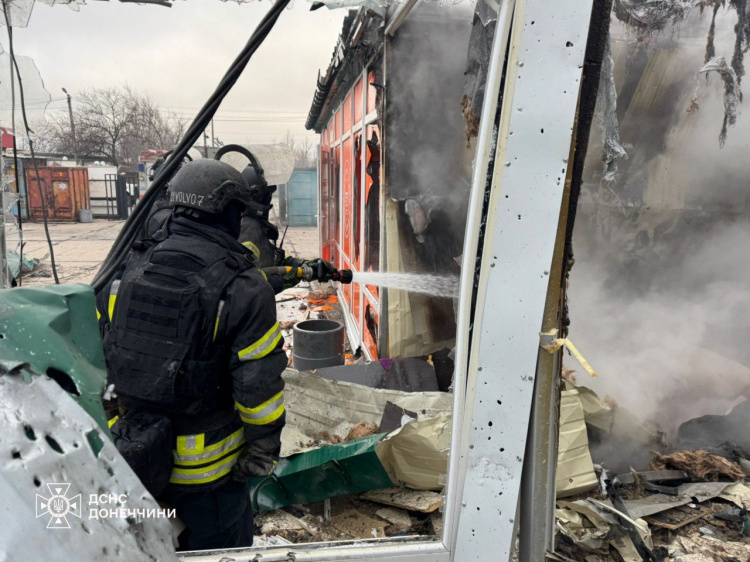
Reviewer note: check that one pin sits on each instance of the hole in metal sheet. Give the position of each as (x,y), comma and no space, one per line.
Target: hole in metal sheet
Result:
(64,380)
(15,454)
(54,444)
(29,431)
(490,424)
(2,336)
(37,482)
(568,44)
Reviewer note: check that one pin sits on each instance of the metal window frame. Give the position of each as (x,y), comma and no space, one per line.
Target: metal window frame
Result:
(527,170)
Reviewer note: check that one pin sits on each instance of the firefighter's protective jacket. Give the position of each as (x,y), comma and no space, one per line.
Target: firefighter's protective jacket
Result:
(190,331)
(256,235)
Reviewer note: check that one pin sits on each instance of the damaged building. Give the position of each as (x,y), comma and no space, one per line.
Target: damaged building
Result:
(395,168)
(447,130)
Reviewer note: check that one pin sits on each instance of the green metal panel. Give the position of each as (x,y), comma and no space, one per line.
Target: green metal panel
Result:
(55,327)
(335,470)
(302,198)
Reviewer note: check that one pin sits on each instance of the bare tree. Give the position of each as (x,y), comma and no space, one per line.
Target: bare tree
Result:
(116,123)
(305,152)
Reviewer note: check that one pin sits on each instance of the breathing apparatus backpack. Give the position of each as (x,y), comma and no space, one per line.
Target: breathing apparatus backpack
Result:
(160,351)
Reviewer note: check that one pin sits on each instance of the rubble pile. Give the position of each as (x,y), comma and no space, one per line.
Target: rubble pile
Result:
(681,505)
(393,512)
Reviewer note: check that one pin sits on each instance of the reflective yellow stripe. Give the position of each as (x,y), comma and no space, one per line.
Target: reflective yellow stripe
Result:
(112,422)
(272,417)
(218,317)
(263,273)
(190,443)
(98,315)
(113,298)
(253,248)
(263,346)
(266,413)
(212,452)
(206,474)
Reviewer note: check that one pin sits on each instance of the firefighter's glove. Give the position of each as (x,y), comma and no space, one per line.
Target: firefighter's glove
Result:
(322,270)
(253,462)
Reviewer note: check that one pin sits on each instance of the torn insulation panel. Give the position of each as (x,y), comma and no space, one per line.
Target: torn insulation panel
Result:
(731,92)
(606,113)
(647,17)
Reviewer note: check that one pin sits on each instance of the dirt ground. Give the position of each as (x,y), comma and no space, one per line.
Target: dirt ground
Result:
(81,248)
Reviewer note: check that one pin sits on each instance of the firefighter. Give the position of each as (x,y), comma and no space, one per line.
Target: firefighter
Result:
(259,236)
(195,353)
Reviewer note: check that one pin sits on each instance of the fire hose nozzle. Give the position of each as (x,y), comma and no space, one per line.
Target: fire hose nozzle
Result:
(307,273)
(343,276)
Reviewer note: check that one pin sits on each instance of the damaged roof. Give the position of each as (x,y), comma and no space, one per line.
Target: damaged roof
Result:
(358,40)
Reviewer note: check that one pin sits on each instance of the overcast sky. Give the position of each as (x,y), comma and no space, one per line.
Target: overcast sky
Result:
(179,54)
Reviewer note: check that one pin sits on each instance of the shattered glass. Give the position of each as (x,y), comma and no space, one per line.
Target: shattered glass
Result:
(477,67)
(19,12)
(487,10)
(35,95)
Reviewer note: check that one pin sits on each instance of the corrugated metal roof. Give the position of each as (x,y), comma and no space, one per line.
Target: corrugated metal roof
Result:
(349,48)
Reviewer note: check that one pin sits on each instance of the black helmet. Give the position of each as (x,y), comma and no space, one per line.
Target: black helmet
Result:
(253,173)
(208,185)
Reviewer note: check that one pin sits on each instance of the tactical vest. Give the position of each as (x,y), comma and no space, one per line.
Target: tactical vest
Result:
(159,348)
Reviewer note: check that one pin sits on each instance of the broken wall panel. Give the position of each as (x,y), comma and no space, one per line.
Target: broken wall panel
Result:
(426,130)
(372,204)
(370,329)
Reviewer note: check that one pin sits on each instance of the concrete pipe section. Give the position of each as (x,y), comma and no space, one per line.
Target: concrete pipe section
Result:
(317,344)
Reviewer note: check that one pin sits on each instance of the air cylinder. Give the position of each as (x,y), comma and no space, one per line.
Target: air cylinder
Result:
(317,344)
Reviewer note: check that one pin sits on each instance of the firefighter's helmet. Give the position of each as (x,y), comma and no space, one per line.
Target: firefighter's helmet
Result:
(208,185)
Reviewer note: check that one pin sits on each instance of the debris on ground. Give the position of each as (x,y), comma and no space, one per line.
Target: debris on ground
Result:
(436,523)
(285,525)
(416,455)
(362,429)
(397,517)
(670,505)
(359,526)
(405,498)
(707,549)
(321,294)
(16,268)
(738,494)
(274,540)
(700,465)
